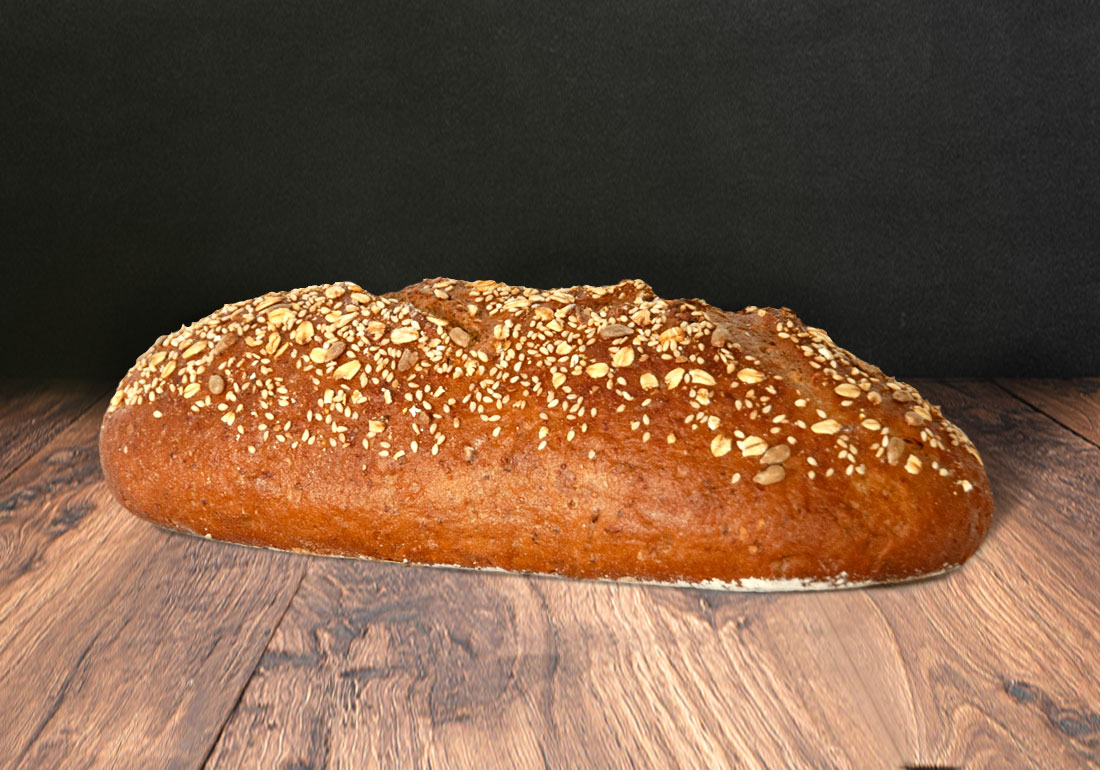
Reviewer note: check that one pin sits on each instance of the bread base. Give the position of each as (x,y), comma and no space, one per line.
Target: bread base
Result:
(744,585)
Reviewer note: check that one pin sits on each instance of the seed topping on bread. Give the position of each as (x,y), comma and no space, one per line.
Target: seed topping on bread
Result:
(400,374)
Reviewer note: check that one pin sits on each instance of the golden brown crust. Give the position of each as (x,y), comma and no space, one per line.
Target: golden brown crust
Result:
(596,432)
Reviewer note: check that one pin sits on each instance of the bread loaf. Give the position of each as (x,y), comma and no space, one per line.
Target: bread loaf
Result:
(588,432)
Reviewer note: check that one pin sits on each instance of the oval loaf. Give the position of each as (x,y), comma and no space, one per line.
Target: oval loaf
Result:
(588,432)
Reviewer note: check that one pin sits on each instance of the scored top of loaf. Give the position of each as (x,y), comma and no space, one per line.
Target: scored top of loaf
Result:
(443,350)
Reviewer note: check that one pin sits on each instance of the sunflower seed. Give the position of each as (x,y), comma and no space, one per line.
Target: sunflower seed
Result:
(408,360)
(770,475)
(611,331)
(224,344)
(459,336)
(330,352)
(776,455)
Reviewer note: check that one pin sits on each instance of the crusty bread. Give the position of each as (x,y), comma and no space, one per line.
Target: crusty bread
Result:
(589,432)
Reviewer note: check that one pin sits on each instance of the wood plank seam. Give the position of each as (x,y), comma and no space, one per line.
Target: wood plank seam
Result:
(58,700)
(244,686)
(58,430)
(41,503)
(1046,414)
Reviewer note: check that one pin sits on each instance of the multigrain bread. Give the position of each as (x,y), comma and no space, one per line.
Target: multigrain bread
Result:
(588,432)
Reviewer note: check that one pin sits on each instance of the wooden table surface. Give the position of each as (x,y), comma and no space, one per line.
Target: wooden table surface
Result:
(125,645)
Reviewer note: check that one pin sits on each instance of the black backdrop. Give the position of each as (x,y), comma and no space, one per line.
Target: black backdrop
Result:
(921,179)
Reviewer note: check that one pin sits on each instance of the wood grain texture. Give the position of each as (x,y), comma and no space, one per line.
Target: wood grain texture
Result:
(381,665)
(32,412)
(121,645)
(125,645)
(1022,617)
(1074,404)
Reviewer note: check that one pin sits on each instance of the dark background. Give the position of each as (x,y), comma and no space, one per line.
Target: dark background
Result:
(921,179)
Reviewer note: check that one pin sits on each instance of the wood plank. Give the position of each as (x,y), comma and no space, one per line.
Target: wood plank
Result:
(1072,403)
(383,664)
(1022,616)
(378,664)
(32,413)
(121,644)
